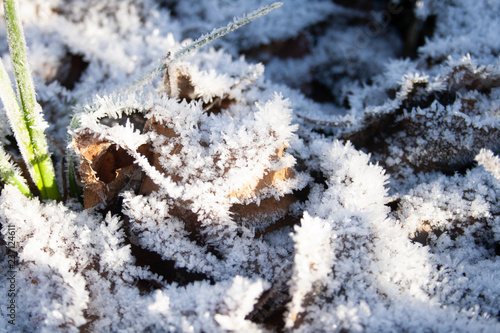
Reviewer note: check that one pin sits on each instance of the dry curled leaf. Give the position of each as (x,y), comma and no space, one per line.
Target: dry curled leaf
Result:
(105,168)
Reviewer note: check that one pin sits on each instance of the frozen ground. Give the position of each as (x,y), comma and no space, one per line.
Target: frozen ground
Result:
(330,167)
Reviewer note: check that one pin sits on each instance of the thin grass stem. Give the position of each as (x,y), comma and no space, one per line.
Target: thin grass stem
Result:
(10,174)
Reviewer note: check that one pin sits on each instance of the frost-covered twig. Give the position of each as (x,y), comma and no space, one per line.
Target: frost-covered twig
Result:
(204,40)
(216,33)
(25,118)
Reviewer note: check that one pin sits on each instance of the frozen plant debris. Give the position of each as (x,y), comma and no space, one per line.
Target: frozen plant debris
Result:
(368,268)
(208,169)
(426,122)
(454,216)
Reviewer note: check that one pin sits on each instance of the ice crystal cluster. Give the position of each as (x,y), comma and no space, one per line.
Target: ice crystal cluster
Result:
(349,182)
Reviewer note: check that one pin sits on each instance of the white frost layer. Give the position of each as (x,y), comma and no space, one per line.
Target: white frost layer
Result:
(368,275)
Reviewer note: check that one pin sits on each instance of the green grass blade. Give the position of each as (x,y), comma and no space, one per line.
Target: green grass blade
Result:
(27,121)
(10,174)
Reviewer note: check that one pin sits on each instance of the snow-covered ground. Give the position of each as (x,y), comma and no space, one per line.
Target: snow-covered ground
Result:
(330,167)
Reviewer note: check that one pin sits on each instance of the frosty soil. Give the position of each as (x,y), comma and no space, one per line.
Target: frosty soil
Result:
(379,23)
